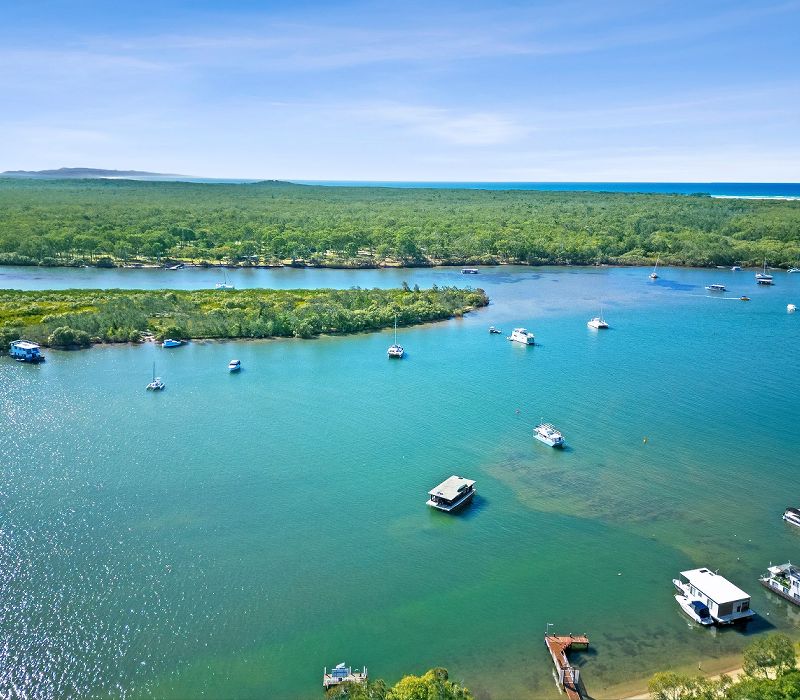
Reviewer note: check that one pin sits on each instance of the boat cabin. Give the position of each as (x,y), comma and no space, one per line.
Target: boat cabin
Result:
(342,674)
(25,351)
(792,516)
(783,579)
(451,493)
(725,602)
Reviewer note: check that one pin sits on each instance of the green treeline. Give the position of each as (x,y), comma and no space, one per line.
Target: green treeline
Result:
(79,317)
(62,222)
(433,685)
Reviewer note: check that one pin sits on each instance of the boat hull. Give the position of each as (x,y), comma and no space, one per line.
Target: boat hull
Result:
(449,508)
(550,442)
(779,590)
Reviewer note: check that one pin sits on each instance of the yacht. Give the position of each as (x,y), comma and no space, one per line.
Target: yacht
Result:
(726,603)
(492,329)
(763,277)
(469,271)
(736,268)
(744,298)
(521,335)
(395,350)
(597,322)
(235,365)
(171,343)
(451,494)
(546,433)
(224,284)
(654,273)
(791,308)
(794,269)
(784,580)
(695,609)
(715,287)
(156,384)
(792,516)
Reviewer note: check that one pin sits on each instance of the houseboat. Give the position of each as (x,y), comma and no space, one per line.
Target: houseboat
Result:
(715,287)
(783,579)
(792,516)
(469,271)
(546,433)
(25,351)
(171,343)
(726,603)
(521,335)
(451,494)
(342,674)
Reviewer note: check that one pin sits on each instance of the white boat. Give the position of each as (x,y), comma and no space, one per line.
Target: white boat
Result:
(224,284)
(654,273)
(794,269)
(736,268)
(764,277)
(171,343)
(791,308)
(451,494)
(521,335)
(715,287)
(597,322)
(547,433)
(156,384)
(395,350)
(727,604)
(235,365)
(792,516)
(341,673)
(469,271)
(783,579)
(493,330)
(695,609)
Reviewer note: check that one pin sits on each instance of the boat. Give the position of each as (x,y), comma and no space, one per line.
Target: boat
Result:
(157,384)
(715,287)
(521,335)
(395,350)
(654,273)
(695,609)
(469,271)
(727,604)
(235,365)
(744,298)
(171,343)
(791,308)
(597,322)
(25,351)
(547,433)
(451,494)
(224,284)
(792,516)
(492,329)
(736,268)
(764,277)
(793,269)
(783,579)
(341,673)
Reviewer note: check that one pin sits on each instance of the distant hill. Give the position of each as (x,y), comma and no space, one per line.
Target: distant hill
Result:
(81,173)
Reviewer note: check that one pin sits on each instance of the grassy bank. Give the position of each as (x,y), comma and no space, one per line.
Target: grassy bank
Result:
(62,222)
(92,315)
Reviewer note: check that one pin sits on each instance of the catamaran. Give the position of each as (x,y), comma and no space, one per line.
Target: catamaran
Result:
(763,277)
(522,335)
(546,433)
(597,322)
(156,384)
(395,350)
(224,284)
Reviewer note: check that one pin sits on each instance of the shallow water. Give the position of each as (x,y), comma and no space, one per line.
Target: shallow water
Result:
(236,533)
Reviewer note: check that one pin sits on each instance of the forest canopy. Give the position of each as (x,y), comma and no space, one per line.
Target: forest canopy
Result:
(67,222)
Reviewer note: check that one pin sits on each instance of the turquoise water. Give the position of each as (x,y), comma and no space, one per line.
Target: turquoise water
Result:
(236,533)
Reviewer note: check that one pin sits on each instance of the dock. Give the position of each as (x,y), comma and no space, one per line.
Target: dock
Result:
(569,677)
(342,673)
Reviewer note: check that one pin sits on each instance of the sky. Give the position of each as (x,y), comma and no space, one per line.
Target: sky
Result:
(431,91)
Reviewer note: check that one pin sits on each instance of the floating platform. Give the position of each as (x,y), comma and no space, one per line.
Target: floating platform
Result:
(342,674)
(569,677)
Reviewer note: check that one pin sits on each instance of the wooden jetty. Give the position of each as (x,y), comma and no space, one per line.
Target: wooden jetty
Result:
(569,677)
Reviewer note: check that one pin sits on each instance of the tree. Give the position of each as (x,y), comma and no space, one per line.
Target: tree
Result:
(66,337)
(770,656)
(434,685)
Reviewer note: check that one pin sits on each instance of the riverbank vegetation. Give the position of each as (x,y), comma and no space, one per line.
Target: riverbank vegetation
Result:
(433,685)
(80,317)
(769,673)
(109,222)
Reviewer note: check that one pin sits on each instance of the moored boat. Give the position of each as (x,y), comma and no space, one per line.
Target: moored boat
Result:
(156,384)
(469,271)
(451,494)
(793,269)
(492,329)
(764,277)
(736,268)
(522,335)
(547,433)
(25,351)
(597,322)
(727,604)
(654,273)
(695,609)
(792,516)
(224,284)
(783,579)
(791,308)
(395,350)
(234,365)
(171,343)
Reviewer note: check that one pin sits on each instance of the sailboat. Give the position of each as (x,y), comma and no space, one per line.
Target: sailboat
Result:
(598,322)
(156,384)
(654,274)
(764,277)
(395,351)
(224,284)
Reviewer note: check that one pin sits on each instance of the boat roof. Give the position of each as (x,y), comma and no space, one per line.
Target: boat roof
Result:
(451,488)
(521,330)
(795,511)
(25,345)
(716,587)
(789,569)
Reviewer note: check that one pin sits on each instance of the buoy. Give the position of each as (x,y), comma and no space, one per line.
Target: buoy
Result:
(644,440)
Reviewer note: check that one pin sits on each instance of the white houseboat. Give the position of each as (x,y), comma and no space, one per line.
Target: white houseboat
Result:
(546,433)
(726,603)
(792,516)
(342,673)
(25,351)
(716,287)
(783,579)
(451,493)
(521,335)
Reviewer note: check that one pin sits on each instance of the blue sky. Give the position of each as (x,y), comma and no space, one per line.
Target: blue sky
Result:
(509,91)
